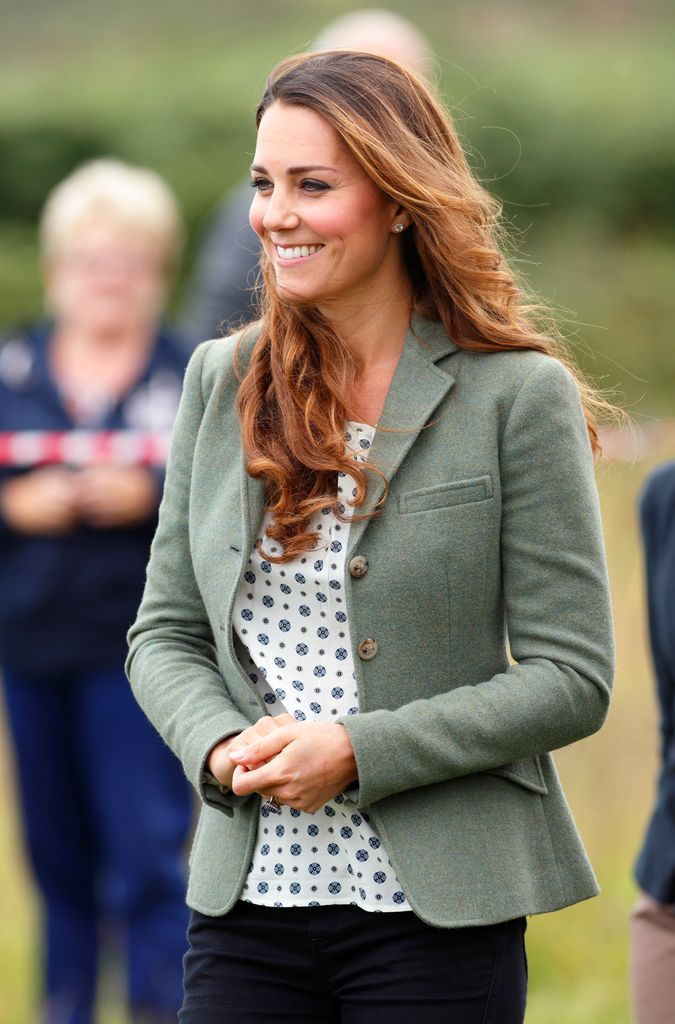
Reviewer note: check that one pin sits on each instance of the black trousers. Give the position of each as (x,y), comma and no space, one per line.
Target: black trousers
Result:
(342,965)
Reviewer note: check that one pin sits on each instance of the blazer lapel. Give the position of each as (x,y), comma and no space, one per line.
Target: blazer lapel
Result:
(417,388)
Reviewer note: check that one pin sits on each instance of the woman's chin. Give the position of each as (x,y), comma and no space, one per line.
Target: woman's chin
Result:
(294,296)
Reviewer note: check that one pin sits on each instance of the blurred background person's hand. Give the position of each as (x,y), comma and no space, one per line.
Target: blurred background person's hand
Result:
(109,496)
(44,501)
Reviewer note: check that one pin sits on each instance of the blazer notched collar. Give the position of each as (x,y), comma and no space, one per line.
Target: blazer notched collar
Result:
(417,388)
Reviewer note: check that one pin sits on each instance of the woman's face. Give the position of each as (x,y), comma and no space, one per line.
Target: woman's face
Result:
(325,226)
(107,280)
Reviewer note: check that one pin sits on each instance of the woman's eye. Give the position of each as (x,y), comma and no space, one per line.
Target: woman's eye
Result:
(311,185)
(261,184)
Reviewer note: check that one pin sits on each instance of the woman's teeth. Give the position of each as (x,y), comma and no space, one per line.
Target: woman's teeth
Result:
(296,251)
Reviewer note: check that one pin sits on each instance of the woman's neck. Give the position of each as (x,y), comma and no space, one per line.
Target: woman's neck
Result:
(373,333)
(104,366)
(103,343)
(375,336)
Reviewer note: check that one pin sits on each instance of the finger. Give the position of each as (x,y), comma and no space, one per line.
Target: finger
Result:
(87,501)
(252,756)
(218,760)
(239,784)
(242,743)
(270,723)
(285,719)
(96,518)
(263,727)
(247,761)
(265,779)
(264,747)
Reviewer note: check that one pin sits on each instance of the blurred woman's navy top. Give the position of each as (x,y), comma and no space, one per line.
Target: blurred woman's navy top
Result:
(66,602)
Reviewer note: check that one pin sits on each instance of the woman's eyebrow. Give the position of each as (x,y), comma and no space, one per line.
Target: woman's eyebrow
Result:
(258,169)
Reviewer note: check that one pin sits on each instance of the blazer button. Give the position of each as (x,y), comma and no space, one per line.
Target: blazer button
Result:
(358,566)
(367,649)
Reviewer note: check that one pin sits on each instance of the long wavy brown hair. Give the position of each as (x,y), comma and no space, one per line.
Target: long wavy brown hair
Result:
(293,398)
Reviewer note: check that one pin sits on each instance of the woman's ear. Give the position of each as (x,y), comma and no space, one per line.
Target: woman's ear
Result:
(401,220)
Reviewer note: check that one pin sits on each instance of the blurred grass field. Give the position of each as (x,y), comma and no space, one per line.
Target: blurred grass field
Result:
(578,957)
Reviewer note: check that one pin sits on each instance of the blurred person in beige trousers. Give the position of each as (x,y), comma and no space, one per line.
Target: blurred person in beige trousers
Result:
(653,916)
(105,808)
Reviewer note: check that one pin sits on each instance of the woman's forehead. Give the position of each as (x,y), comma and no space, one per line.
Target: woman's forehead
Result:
(298,136)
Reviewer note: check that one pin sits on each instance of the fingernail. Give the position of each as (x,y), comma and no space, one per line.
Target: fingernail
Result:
(236,753)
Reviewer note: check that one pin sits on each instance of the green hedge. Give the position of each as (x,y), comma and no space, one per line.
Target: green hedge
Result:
(580,130)
(572,132)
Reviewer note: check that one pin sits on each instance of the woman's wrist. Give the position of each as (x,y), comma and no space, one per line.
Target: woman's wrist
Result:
(218,763)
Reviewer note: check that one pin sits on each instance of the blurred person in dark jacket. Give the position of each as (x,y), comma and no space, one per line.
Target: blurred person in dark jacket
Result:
(106,808)
(222,294)
(653,916)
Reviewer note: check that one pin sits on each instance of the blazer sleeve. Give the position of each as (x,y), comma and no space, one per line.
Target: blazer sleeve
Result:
(558,616)
(172,664)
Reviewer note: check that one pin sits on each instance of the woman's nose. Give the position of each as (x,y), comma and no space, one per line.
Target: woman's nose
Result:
(280,214)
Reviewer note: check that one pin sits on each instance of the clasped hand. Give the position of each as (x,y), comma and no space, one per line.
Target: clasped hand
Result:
(302,764)
(54,500)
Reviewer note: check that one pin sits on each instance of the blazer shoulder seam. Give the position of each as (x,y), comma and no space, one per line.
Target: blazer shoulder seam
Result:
(540,367)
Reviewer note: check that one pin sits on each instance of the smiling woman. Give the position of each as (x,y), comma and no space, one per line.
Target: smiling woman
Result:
(369,492)
(324,224)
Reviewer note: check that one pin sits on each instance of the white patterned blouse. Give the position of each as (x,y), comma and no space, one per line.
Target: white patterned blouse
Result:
(292,620)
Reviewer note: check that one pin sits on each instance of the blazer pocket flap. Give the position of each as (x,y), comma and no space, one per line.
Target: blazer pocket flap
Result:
(454,492)
(526,773)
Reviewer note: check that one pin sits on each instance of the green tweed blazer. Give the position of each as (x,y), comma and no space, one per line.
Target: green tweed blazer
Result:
(490,542)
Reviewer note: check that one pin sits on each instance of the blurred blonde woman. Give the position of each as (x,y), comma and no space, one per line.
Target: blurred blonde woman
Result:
(105,806)
(367,490)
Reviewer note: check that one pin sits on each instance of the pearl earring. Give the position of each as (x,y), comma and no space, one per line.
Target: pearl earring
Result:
(398,228)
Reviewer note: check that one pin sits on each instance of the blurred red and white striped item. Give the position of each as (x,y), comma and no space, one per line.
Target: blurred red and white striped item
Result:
(83,447)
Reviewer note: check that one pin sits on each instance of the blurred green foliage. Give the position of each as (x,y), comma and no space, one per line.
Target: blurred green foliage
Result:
(565,116)
(580,129)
